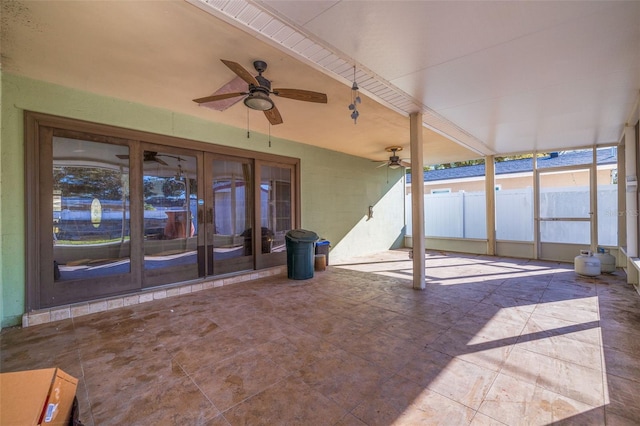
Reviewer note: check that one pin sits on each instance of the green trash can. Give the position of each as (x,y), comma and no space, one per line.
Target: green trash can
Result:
(300,253)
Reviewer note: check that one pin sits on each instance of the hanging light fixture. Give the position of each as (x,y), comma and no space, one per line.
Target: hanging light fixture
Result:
(259,100)
(355,99)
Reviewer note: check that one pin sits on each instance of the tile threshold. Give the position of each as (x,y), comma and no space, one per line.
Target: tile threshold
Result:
(75,310)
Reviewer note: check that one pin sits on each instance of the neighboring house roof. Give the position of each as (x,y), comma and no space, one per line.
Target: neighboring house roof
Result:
(605,156)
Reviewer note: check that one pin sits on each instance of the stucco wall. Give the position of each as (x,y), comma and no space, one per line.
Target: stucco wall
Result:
(336,188)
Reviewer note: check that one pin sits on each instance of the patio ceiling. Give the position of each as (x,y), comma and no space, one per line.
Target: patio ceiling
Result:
(493,77)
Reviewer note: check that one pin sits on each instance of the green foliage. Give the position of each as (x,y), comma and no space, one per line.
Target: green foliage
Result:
(88,182)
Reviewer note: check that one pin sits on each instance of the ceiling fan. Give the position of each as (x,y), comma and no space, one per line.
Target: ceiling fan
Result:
(394,161)
(257,97)
(152,156)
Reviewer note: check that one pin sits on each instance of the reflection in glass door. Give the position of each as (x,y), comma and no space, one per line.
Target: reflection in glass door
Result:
(276,215)
(90,210)
(230,238)
(111,215)
(86,198)
(170,194)
(565,212)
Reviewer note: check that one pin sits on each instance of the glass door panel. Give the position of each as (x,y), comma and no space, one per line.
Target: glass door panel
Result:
(90,210)
(231,237)
(276,216)
(89,206)
(170,194)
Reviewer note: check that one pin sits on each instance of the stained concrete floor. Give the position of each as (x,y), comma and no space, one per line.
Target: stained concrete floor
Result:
(490,341)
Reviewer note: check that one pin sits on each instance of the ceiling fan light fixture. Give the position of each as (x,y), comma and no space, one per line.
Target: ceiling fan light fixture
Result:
(258,101)
(394,165)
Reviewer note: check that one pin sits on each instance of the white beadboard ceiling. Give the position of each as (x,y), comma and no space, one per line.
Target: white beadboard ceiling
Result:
(489,77)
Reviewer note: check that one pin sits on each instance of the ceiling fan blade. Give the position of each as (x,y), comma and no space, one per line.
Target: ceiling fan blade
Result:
(160,160)
(383,164)
(122,156)
(273,115)
(301,95)
(404,163)
(219,97)
(241,72)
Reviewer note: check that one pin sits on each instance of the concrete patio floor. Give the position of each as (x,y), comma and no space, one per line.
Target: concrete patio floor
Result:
(490,341)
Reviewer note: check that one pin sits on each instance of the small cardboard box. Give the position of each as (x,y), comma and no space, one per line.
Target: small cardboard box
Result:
(36,397)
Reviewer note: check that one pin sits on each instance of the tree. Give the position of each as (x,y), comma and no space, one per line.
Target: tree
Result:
(88,182)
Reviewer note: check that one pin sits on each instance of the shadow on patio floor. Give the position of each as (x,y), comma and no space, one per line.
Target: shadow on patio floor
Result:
(490,341)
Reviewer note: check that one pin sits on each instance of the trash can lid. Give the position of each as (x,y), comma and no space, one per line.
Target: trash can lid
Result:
(302,235)
(323,243)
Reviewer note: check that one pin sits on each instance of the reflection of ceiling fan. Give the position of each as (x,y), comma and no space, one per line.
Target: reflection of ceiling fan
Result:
(394,161)
(259,90)
(152,156)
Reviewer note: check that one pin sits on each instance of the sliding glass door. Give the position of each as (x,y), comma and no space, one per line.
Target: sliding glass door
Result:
(85,197)
(112,215)
(171,229)
(276,197)
(231,214)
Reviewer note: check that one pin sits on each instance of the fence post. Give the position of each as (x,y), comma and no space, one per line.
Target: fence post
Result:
(462,206)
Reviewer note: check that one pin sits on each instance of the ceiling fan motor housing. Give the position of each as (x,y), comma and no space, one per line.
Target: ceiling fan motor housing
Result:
(264,84)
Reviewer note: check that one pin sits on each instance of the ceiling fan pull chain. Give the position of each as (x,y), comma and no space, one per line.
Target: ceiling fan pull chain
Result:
(269,135)
(248,135)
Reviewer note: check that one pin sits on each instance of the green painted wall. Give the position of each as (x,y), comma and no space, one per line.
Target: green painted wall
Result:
(337,189)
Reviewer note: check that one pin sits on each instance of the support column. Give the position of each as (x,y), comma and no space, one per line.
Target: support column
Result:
(417,200)
(622,195)
(631,208)
(490,191)
(593,191)
(631,180)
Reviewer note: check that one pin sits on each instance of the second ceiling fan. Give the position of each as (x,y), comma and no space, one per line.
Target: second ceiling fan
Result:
(259,91)
(394,161)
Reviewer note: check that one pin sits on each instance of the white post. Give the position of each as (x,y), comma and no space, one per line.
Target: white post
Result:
(490,191)
(417,200)
(593,184)
(631,180)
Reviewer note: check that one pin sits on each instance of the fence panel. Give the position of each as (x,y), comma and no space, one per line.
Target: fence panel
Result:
(608,215)
(475,215)
(514,214)
(463,214)
(444,214)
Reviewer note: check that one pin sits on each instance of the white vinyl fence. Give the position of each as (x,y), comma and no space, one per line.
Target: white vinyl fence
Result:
(463,215)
